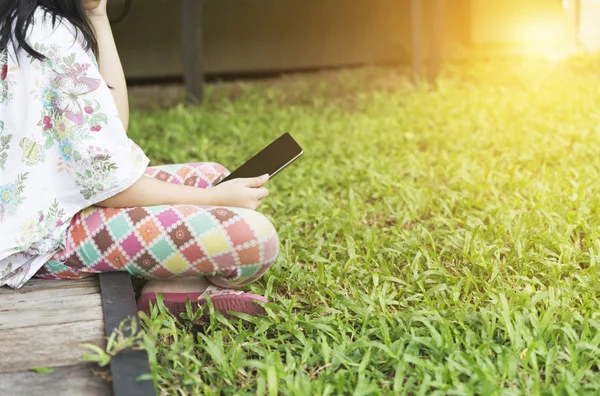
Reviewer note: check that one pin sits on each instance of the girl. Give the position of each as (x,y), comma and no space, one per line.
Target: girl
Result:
(76,195)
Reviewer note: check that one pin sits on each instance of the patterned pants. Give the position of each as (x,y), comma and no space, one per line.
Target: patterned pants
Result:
(231,246)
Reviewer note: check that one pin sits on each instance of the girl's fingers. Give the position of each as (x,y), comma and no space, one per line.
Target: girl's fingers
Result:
(261,193)
(255,182)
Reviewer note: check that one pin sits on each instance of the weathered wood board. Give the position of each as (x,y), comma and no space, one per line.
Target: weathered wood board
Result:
(43,325)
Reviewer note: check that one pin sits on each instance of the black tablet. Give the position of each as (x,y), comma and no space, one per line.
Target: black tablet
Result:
(271,159)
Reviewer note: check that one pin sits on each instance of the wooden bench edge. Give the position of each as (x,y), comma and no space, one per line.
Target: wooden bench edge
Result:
(118,304)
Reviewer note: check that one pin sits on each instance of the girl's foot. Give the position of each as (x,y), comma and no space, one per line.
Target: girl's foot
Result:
(176,292)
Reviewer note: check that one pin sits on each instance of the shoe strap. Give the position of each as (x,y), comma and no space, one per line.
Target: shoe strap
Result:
(215,291)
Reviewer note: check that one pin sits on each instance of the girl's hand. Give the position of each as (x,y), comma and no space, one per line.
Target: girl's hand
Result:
(94,8)
(240,193)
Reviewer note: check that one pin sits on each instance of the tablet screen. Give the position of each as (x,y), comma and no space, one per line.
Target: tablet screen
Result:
(271,159)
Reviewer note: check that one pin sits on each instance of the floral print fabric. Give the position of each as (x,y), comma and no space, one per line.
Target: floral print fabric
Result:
(62,145)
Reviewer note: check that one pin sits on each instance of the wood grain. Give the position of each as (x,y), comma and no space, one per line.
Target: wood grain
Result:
(34,285)
(48,345)
(66,310)
(43,323)
(28,300)
(73,380)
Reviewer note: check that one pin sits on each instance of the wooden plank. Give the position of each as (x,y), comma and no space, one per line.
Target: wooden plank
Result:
(118,303)
(46,284)
(54,300)
(192,49)
(9,301)
(75,380)
(48,345)
(48,312)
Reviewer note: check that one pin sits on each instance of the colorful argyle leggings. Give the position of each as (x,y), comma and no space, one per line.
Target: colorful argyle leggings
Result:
(231,246)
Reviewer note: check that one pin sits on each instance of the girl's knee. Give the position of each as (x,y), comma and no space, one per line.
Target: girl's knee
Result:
(260,224)
(265,236)
(255,256)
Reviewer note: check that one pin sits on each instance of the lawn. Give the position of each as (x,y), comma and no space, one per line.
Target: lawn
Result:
(432,241)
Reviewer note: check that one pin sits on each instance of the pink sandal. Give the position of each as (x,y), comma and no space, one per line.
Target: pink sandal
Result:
(224,301)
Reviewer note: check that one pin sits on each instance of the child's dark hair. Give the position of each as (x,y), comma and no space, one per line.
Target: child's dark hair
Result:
(19,13)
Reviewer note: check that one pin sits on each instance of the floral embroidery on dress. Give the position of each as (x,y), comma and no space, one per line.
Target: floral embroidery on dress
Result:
(40,225)
(17,276)
(6,272)
(137,158)
(98,172)
(11,196)
(4,145)
(68,120)
(33,152)
(7,83)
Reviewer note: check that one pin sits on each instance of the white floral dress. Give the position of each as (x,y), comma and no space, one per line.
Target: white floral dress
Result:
(62,145)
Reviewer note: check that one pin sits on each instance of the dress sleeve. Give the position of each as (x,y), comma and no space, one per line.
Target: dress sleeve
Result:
(81,134)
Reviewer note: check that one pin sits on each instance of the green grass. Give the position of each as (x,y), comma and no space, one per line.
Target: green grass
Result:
(432,241)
